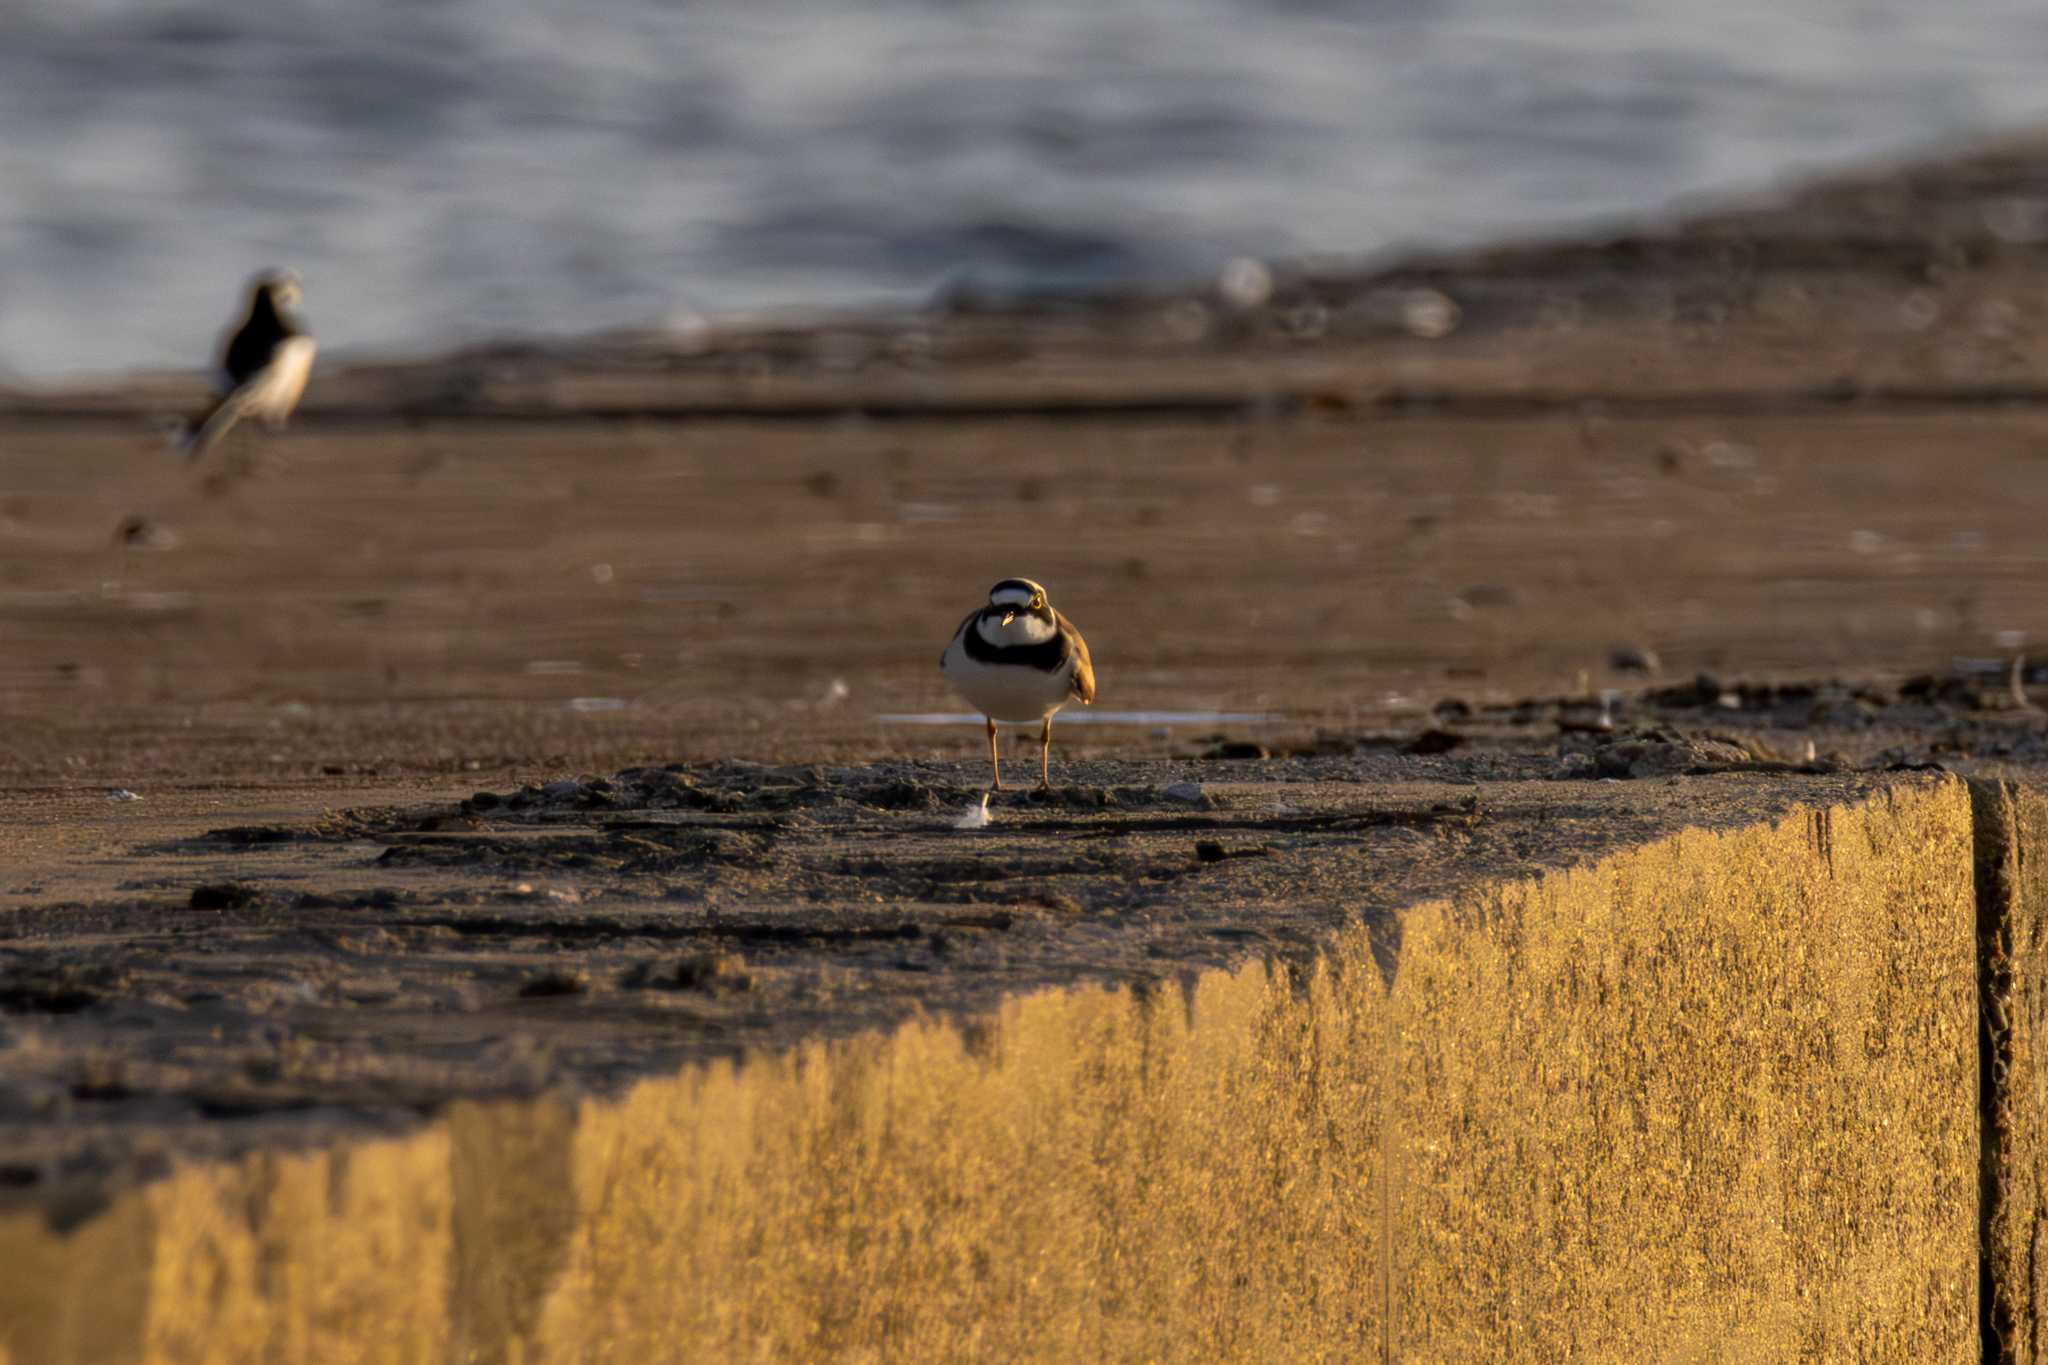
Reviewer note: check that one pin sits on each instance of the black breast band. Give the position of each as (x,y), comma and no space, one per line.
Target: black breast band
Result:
(1048,656)
(255,345)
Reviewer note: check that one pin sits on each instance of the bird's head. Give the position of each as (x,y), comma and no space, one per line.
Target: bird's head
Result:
(282,287)
(1017,596)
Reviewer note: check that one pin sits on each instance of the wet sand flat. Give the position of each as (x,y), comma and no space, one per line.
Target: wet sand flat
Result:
(433,602)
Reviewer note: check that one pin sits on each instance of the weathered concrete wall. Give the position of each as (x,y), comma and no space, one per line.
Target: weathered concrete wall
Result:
(2012,873)
(1711,1097)
(1715,1098)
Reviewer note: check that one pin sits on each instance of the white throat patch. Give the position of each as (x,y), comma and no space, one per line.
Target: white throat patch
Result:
(1024,629)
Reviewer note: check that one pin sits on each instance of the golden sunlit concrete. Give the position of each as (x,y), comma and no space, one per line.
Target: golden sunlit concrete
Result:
(1714,1097)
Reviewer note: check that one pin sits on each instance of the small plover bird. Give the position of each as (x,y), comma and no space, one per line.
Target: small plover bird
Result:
(1018,661)
(264,367)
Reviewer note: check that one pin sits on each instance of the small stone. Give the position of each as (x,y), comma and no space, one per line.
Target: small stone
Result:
(1634,659)
(1487,595)
(552,983)
(1436,741)
(223,896)
(695,972)
(1429,313)
(900,794)
(1237,749)
(140,533)
(1190,792)
(1245,283)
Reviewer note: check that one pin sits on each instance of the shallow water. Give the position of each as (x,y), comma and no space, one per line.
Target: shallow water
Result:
(463,170)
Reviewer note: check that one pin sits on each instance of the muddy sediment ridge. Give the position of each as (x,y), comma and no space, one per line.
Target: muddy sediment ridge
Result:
(264,985)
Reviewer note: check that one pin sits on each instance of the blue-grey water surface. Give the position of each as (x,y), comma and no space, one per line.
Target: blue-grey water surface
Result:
(464,169)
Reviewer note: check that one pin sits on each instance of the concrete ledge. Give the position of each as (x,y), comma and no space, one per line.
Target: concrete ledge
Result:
(1711,1096)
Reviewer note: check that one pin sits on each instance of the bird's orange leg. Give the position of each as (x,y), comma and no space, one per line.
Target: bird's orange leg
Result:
(1045,756)
(995,757)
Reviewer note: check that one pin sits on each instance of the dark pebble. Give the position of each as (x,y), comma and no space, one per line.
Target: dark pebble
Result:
(1237,748)
(551,984)
(223,896)
(1436,742)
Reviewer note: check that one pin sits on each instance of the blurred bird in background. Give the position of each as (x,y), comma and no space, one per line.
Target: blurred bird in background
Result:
(264,368)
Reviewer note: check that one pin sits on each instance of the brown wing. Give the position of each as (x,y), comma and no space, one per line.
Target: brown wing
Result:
(1084,667)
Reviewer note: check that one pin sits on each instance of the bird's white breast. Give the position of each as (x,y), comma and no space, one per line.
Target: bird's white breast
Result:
(275,389)
(1016,693)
